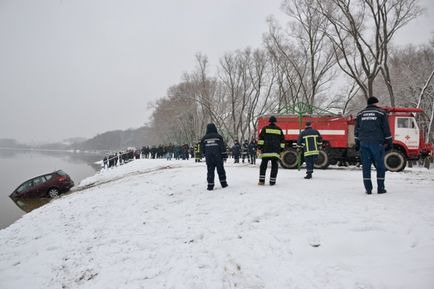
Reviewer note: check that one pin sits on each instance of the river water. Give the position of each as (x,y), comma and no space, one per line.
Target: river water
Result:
(17,166)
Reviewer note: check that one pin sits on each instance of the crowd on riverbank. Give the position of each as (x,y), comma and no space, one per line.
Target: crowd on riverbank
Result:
(245,152)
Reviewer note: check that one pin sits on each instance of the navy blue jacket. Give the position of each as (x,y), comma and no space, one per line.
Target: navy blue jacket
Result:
(236,149)
(212,144)
(310,138)
(372,126)
(252,147)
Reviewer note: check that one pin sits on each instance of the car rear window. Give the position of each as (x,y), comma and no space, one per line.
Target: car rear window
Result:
(62,173)
(48,177)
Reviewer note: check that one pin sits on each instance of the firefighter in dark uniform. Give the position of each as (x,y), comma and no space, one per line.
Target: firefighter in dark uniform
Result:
(372,133)
(197,152)
(214,149)
(271,142)
(309,140)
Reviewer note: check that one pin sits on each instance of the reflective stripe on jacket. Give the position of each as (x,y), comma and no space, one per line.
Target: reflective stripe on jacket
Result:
(271,141)
(309,138)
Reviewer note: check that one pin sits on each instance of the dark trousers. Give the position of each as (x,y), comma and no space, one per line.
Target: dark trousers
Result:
(244,156)
(373,153)
(212,164)
(253,158)
(310,161)
(263,169)
(237,158)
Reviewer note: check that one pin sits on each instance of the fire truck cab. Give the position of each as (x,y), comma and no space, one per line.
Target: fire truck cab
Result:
(339,143)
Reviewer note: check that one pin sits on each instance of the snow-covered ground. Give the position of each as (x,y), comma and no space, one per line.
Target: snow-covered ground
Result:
(151,224)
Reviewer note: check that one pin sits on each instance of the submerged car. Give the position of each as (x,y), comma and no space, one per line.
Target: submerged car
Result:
(49,185)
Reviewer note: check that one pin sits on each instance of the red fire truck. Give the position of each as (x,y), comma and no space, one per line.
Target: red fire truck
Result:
(339,143)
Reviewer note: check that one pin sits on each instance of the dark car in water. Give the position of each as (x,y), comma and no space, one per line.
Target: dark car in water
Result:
(49,185)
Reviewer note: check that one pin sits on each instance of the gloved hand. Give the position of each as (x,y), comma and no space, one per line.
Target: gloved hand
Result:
(357,147)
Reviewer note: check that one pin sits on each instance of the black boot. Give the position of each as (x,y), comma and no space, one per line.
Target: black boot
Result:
(308,176)
(224,184)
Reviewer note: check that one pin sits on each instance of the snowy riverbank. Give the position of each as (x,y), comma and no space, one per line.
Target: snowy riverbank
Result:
(151,224)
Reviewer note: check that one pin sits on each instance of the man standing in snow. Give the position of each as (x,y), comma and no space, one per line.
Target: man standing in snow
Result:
(372,132)
(214,149)
(252,151)
(271,142)
(245,151)
(310,139)
(236,152)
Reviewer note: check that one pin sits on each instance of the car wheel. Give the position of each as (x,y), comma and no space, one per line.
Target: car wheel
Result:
(395,161)
(53,192)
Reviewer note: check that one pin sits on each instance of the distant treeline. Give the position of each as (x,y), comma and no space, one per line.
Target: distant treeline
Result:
(108,141)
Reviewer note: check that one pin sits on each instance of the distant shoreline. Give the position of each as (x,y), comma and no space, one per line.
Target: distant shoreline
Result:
(30,149)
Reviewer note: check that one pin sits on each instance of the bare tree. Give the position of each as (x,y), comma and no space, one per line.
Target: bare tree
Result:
(176,118)
(207,92)
(289,64)
(343,100)
(307,29)
(236,76)
(249,83)
(361,32)
(264,79)
(412,73)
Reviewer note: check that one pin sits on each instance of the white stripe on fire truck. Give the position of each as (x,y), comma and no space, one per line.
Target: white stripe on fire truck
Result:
(321,131)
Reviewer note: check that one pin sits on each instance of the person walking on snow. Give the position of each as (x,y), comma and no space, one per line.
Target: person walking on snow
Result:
(310,140)
(214,149)
(271,142)
(372,132)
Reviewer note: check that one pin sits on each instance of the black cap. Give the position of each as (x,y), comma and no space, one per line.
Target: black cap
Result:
(308,123)
(272,119)
(372,100)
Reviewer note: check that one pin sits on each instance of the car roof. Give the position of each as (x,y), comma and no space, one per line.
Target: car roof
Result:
(43,175)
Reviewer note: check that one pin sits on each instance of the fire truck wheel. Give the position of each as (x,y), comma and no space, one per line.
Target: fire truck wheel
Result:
(288,159)
(322,160)
(394,161)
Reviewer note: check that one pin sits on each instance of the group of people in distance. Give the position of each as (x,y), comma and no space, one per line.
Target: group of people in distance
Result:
(372,135)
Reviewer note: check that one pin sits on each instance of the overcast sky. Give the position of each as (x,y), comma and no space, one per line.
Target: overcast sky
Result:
(76,68)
